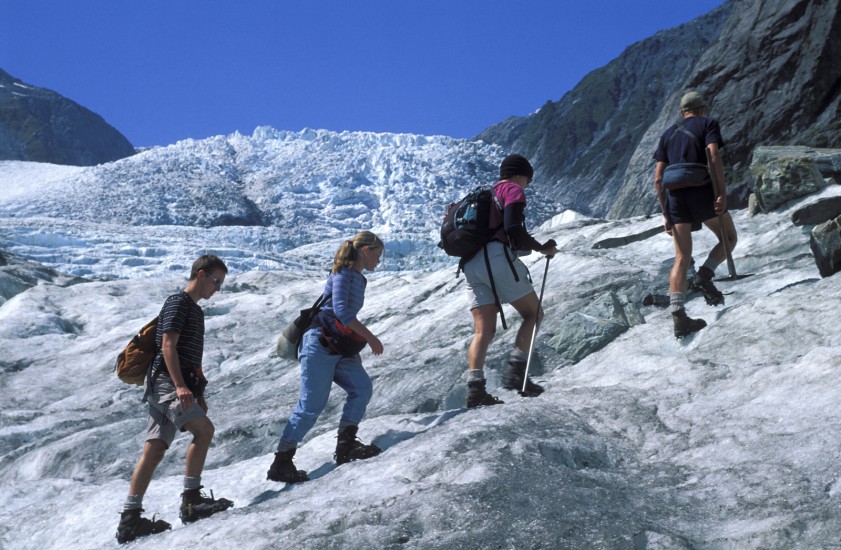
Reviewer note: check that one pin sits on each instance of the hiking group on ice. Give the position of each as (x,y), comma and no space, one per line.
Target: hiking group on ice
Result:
(487,231)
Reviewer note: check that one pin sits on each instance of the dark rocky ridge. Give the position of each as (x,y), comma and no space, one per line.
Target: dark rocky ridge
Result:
(771,69)
(42,126)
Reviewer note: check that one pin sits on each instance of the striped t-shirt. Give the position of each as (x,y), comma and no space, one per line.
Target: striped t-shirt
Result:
(184,316)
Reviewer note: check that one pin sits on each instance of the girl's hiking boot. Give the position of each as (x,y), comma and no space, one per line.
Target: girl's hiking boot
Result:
(196,506)
(284,470)
(512,379)
(684,325)
(132,526)
(477,396)
(703,282)
(349,448)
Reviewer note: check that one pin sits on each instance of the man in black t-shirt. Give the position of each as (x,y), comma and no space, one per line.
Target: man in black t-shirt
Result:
(175,394)
(688,199)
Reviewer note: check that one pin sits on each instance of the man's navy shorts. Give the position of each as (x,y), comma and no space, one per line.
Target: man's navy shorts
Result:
(693,205)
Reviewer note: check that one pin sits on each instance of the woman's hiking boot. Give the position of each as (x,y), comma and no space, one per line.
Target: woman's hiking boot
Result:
(703,282)
(512,379)
(477,396)
(350,448)
(284,470)
(132,526)
(195,505)
(684,325)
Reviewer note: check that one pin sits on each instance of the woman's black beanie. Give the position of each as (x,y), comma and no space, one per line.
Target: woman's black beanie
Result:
(515,165)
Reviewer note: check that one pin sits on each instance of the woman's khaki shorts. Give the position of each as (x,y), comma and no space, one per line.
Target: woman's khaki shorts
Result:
(507,287)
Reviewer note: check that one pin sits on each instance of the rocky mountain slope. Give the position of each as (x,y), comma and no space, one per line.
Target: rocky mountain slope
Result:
(40,125)
(771,69)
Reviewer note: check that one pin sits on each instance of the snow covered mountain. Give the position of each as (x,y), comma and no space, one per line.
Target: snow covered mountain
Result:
(727,439)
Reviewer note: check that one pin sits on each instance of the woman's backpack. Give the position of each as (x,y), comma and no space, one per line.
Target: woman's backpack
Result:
(467,224)
(290,338)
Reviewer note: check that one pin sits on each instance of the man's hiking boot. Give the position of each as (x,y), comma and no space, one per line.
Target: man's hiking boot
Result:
(478,397)
(196,506)
(703,283)
(132,526)
(684,325)
(512,379)
(349,448)
(282,469)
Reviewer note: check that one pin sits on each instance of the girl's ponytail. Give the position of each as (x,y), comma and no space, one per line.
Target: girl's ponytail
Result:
(346,255)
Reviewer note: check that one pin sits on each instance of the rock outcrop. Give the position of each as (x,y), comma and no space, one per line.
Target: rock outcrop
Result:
(770,69)
(18,275)
(817,212)
(40,125)
(825,242)
(594,326)
(786,173)
(781,180)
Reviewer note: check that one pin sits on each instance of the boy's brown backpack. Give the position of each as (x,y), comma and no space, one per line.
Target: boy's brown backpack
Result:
(133,362)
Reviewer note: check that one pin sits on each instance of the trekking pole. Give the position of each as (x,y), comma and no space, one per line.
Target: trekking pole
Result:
(536,323)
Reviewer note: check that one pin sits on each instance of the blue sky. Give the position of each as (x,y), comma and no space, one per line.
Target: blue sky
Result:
(164,70)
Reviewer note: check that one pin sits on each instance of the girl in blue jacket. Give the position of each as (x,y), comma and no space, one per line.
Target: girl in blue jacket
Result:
(329,353)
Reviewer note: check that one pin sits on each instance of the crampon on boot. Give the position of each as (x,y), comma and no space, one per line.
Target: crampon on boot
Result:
(133,525)
(195,505)
(477,396)
(684,325)
(284,470)
(512,379)
(349,448)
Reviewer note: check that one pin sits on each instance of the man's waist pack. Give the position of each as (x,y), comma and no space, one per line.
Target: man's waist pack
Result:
(466,227)
(685,174)
(134,361)
(290,338)
(338,338)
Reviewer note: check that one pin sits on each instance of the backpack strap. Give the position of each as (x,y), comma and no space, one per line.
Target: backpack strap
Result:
(316,309)
(320,303)
(686,131)
(151,373)
(496,200)
(155,373)
(493,288)
(511,263)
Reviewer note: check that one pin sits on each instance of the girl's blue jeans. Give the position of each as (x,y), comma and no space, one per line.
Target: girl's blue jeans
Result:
(319,369)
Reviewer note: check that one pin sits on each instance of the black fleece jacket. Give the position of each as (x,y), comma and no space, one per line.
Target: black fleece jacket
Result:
(514,223)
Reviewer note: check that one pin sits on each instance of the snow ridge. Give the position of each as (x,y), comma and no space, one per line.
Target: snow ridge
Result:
(282,189)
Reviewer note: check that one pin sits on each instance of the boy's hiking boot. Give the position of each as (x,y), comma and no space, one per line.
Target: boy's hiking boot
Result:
(512,379)
(478,397)
(684,325)
(703,282)
(132,526)
(196,506)
(349,448)
(282,469)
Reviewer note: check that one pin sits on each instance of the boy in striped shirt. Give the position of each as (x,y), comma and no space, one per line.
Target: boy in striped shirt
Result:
(175,394)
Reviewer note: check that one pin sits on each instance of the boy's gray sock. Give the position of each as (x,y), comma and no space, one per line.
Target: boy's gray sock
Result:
(475,374)
(133,502)
(192,483)
(676,301)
